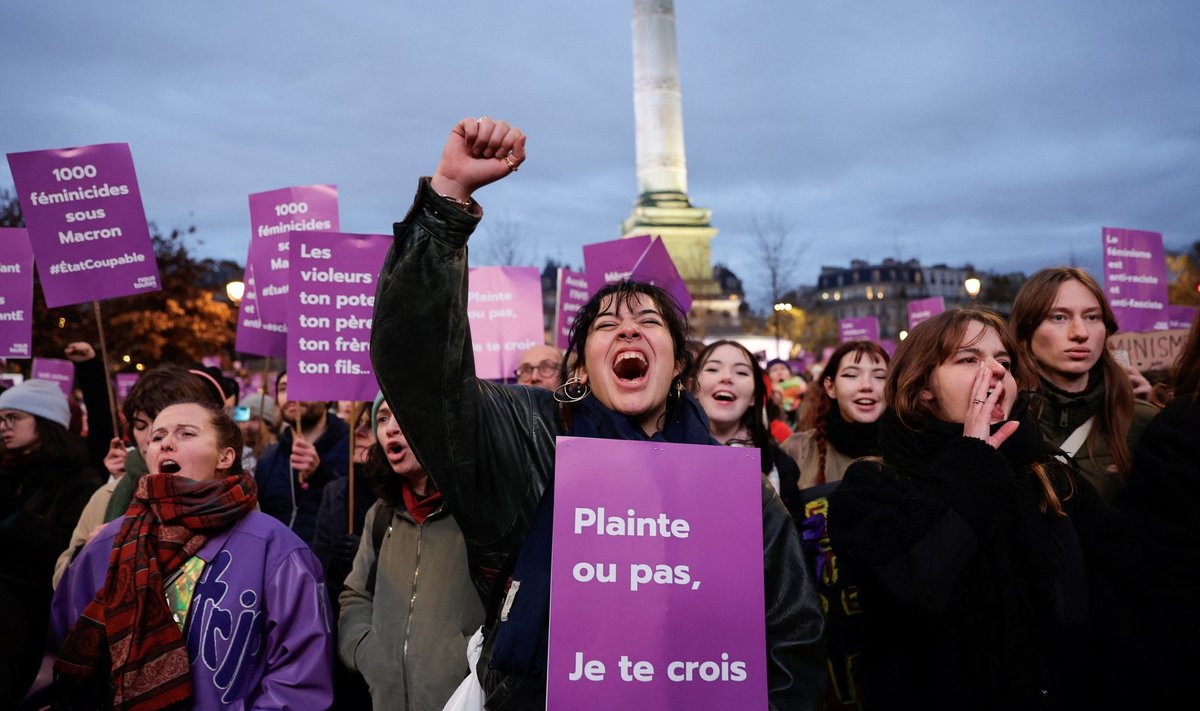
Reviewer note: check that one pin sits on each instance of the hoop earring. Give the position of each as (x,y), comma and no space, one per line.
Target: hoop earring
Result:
(572,391)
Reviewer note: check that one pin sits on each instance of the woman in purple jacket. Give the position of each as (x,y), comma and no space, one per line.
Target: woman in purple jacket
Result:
(243,622)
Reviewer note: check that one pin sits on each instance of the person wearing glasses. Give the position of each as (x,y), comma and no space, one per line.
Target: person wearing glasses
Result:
(540,367)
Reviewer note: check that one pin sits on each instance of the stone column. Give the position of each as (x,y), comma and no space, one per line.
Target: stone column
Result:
(657,102)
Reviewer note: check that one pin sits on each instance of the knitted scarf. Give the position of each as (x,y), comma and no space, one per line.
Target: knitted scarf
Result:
(128,623)
(521,641)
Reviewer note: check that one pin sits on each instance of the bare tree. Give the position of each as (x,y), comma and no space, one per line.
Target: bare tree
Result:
(778,253)
(504,244)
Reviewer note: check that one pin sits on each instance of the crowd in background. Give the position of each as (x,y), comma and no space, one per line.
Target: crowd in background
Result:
(999,515)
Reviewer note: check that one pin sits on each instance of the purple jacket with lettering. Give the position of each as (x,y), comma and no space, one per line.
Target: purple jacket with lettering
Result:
(258,632)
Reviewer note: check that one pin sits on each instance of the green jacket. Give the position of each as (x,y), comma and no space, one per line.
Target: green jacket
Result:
(1060,413)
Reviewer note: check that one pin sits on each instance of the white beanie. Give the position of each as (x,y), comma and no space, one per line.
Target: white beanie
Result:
(38,397)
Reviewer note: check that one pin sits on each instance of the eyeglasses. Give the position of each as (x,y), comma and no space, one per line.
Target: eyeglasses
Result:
(546,369)
(10,419)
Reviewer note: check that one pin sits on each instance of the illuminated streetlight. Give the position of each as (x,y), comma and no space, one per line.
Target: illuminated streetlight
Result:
(903,335)
(235,290)
(972,285)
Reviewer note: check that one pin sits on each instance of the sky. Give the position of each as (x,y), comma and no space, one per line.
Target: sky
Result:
(1005,135)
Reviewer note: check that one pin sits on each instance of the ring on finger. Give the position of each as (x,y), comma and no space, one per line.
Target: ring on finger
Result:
(977,401)
(508,160)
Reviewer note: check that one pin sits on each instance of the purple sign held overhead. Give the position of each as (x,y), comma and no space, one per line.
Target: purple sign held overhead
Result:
(274,215)
(86,223)
(125,383)
(572,295)
(504,308)
(612,261)
(254,335)
(924,309)
(863,328)
(1135,278)
(58,371)
(331,304)
(652,534)
(656,267)
(16,293)
(1180,317)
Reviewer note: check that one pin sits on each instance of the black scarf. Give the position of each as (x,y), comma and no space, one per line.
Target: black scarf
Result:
(521,640)
(853,439)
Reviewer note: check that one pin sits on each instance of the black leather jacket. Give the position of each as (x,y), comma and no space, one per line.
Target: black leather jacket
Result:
(490,448)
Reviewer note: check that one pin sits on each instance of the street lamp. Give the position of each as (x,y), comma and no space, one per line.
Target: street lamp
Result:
(972,285)
(780,308)
(235,290)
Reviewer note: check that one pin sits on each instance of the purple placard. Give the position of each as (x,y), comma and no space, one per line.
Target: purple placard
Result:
(889,346)
(656,267)
(125,383)
(330,307)
(253,334)
(16,293)
(274,215)
(504,307)
(827,353)
(572,295)
(612,261)
(1180,317)
(924,309)
(60,372)
(863,328)
(1135,278)
(86,223)
(702,562)
(9,380)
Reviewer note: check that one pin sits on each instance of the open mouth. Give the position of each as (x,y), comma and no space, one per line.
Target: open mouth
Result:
(168,466)
(723,396)
(394,449)
(630,365)
(865,402)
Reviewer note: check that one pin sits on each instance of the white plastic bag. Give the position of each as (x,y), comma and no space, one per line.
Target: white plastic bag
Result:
(469,694)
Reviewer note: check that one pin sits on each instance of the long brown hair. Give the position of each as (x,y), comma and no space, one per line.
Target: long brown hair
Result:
(752,419)
(819,404)
(932,343)
(1185,373)
(1115,415)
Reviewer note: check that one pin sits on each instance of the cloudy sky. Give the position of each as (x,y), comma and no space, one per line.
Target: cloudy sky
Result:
(1005,134)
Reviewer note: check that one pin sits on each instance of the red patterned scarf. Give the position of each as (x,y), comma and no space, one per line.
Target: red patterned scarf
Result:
(420,508)
(169,520)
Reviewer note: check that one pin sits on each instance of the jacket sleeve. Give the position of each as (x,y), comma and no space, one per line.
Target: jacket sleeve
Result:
(795,645)
(489,448)
(299,656)
(356,619)
(915,537)
(92,516)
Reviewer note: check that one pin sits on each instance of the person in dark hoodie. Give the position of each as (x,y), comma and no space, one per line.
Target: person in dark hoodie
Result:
(44,483)
(293,473)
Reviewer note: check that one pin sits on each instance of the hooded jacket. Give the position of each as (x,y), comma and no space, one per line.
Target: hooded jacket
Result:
(490,449)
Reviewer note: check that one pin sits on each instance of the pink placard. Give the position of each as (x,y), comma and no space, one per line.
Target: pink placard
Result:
(56,370)
(504,307)
(657,563)
(863,328)
(86,223)
(274,216)
(16,293)
(254,335)
(924,309)
(1135,278)
(572,295)
(330,311)
(125,383)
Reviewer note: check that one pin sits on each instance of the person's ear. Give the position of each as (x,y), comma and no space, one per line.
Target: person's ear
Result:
(227,458)
(827,383)
(581,373)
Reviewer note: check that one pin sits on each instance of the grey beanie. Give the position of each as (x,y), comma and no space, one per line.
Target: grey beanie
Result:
(375,408)
(38,397)
(257,401)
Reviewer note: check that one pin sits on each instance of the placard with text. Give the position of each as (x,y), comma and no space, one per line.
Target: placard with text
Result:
(656,583)
(125,383)
(16,293)
(924,309)
(863,328)
(504,308)
(274,216)
(572,295)
(611,261)
(1135,278)
(254,335)
(331,304)
(59,371)
(86,223)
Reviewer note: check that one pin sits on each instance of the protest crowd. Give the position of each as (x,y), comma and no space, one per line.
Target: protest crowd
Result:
(998,514)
